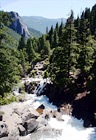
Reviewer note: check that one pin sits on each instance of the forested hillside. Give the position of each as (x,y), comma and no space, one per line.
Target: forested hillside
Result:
(14,37)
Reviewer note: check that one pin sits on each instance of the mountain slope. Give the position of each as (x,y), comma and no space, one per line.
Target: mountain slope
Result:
(34,32)
(40,23)
(13,36)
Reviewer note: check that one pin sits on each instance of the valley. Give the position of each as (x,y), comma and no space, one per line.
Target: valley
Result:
(48,77)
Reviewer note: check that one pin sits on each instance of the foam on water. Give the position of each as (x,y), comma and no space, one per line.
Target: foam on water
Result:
(72,128)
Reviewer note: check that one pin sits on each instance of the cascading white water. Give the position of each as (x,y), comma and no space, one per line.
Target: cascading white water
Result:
(72,128)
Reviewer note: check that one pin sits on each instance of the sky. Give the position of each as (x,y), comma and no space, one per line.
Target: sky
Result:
(46,8)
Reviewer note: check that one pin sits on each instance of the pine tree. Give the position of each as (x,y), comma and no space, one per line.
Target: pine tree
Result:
(61,29)
(63,59)
(77,27)
(56,40)
(30,51)
(44,46)
(51,38)
(85,59)
(57,27)
(58,68)
(69,43)
(47,30)
(22,43)
(93,20)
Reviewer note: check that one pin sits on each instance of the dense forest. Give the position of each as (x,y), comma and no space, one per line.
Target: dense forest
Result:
(69,51)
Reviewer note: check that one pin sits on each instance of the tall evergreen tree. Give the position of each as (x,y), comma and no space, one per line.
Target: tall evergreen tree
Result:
(22,43)
(30,51)
(69,43)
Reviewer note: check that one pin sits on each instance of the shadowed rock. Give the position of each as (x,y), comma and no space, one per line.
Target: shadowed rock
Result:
(3,130)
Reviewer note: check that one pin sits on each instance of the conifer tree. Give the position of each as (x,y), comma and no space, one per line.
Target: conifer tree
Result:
(63,59)
(69,43)
(51,36)
(30,51)
(22,43)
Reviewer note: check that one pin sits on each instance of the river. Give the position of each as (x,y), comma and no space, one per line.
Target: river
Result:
(72,128)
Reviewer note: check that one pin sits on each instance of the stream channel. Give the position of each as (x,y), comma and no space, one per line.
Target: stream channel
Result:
(71,128)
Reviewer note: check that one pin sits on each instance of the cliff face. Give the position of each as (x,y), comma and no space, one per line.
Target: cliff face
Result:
(18,25)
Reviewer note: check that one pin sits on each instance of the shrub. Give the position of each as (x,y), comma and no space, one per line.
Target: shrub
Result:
(7,99)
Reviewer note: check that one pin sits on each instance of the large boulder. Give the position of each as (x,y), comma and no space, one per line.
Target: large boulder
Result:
(22,130)
(28,115)
(30,126)
(3,130)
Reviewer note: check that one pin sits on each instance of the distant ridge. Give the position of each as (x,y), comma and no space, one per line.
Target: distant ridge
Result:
(40,23)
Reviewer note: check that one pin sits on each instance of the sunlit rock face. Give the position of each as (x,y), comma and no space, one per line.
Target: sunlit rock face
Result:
(18,25)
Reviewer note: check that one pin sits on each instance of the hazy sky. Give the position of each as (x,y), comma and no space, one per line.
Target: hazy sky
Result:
(46,8)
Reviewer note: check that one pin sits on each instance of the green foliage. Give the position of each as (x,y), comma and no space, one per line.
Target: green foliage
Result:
(21,97)
(33,73)
(58,67)
(30,51)
(9,73)
(7,100)
(45,74)
(22,43)
(14,38)
(44,46)
(2,113)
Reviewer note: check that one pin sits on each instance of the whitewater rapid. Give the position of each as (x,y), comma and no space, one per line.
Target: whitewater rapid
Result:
(72,128)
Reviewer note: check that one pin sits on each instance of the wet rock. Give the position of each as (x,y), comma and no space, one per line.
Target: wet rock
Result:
(47,116)
(28,115)
(42,121)
(40,109)
(57,115)
(3,130)
(26,84)
(46,132)
(30,87)
(22,131)
(30,126)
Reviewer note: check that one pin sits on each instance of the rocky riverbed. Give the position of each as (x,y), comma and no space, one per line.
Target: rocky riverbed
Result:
(21,119)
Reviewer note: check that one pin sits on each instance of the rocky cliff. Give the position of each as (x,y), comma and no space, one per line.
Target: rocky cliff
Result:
(18,25)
